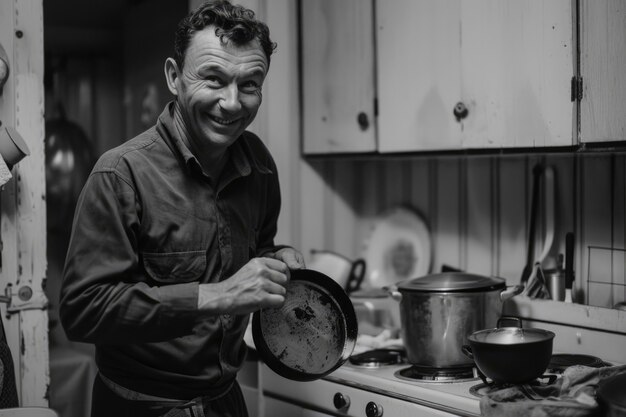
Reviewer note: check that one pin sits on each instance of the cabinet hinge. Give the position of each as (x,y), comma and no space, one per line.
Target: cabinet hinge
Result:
(577,88)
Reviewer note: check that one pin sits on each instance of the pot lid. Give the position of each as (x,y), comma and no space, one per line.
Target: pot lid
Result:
(453,282)
(312,333)
(511,336)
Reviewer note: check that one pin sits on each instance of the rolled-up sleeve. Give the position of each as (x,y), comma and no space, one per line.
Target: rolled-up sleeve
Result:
(105,296)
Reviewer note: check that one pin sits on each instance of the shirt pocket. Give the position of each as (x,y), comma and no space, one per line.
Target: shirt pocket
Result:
(175,267)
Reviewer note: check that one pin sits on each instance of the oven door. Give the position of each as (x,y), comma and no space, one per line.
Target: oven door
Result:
(283,397)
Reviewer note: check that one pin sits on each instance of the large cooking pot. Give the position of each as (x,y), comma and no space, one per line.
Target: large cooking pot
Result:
(439,311)
(510,355)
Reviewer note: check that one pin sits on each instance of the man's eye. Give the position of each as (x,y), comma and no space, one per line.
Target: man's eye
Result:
(250,87)
(214,82)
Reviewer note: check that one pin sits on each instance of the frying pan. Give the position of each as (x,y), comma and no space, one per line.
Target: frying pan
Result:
(312,334)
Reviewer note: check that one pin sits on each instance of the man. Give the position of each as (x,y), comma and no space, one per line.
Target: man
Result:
(173,237)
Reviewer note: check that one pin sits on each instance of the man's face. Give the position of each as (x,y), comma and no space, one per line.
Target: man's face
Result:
(219,90)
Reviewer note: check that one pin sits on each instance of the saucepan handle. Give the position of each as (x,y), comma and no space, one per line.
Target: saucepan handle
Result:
(467,350)
(503,319)
(510,292)
(393,292)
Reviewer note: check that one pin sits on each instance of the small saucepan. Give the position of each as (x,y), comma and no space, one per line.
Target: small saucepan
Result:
(510,355)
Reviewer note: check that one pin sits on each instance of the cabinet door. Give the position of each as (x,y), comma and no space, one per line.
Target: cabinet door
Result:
(419,60)
(503,66)
(517,65)
(338,76)
(274,407)
(602,63)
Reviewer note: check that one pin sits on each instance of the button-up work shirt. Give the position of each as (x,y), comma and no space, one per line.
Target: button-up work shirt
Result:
(148,228)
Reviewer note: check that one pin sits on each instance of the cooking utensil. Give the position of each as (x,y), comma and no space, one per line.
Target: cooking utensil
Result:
(537,286)
(399,248)
(547,174)
(555,280)
(534,208)
(349,274)
(312,334)
(510,355)
(439,311)
(569,266)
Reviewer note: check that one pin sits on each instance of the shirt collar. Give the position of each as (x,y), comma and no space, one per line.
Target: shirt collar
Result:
(242,159)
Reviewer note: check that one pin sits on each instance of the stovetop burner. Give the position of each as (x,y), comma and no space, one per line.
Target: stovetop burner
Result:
(428,374)
(377,358)
(487,387)
(560,361)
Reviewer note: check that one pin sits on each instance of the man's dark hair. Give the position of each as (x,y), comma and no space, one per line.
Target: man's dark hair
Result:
(233,23)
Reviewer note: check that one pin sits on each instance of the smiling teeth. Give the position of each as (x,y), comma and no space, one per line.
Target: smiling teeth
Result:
(223,121)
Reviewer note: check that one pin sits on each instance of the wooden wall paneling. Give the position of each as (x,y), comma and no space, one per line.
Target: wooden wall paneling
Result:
(343,232)
(512,201)
(281,122)
(447,247)
(422,194)
(369,206)
(313,205)
(23,198)
(481,219)
(419,190)
(396,186)
(596,207)
(618,268)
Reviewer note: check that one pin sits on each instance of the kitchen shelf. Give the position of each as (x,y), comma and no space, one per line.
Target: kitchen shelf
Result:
(569,314)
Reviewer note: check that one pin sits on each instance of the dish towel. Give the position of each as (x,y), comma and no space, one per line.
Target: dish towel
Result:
(572,395)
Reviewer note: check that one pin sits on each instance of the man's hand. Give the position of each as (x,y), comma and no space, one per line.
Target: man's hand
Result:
(258,284)
(289,256)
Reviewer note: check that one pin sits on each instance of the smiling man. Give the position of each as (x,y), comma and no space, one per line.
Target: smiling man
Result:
(173,238)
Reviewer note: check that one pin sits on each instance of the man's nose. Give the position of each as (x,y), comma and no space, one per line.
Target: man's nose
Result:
(230,98)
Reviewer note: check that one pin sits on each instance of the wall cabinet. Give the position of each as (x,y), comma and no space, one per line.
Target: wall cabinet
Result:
(602,62)
(449,75)
(338,76)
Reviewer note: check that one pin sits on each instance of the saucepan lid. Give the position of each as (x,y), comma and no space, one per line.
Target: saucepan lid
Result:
(312,334)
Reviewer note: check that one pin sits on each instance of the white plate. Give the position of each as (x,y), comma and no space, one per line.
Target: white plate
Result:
(399,248)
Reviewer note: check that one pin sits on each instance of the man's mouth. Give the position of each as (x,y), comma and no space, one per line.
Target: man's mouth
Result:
(224,122)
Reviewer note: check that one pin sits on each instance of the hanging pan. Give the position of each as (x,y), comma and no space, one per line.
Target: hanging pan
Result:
(312,334)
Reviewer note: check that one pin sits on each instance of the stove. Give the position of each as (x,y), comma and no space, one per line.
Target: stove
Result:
(382,383)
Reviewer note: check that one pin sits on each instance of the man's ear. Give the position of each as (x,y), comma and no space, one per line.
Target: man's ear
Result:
(171,75)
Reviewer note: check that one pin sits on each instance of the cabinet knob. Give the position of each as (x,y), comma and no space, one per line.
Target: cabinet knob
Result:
(341,402)
(373,410)
(363,120)
(460,111)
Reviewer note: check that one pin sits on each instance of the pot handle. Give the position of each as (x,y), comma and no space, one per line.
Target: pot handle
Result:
(393,292)
(467,350)
(510,292)
(517,320)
